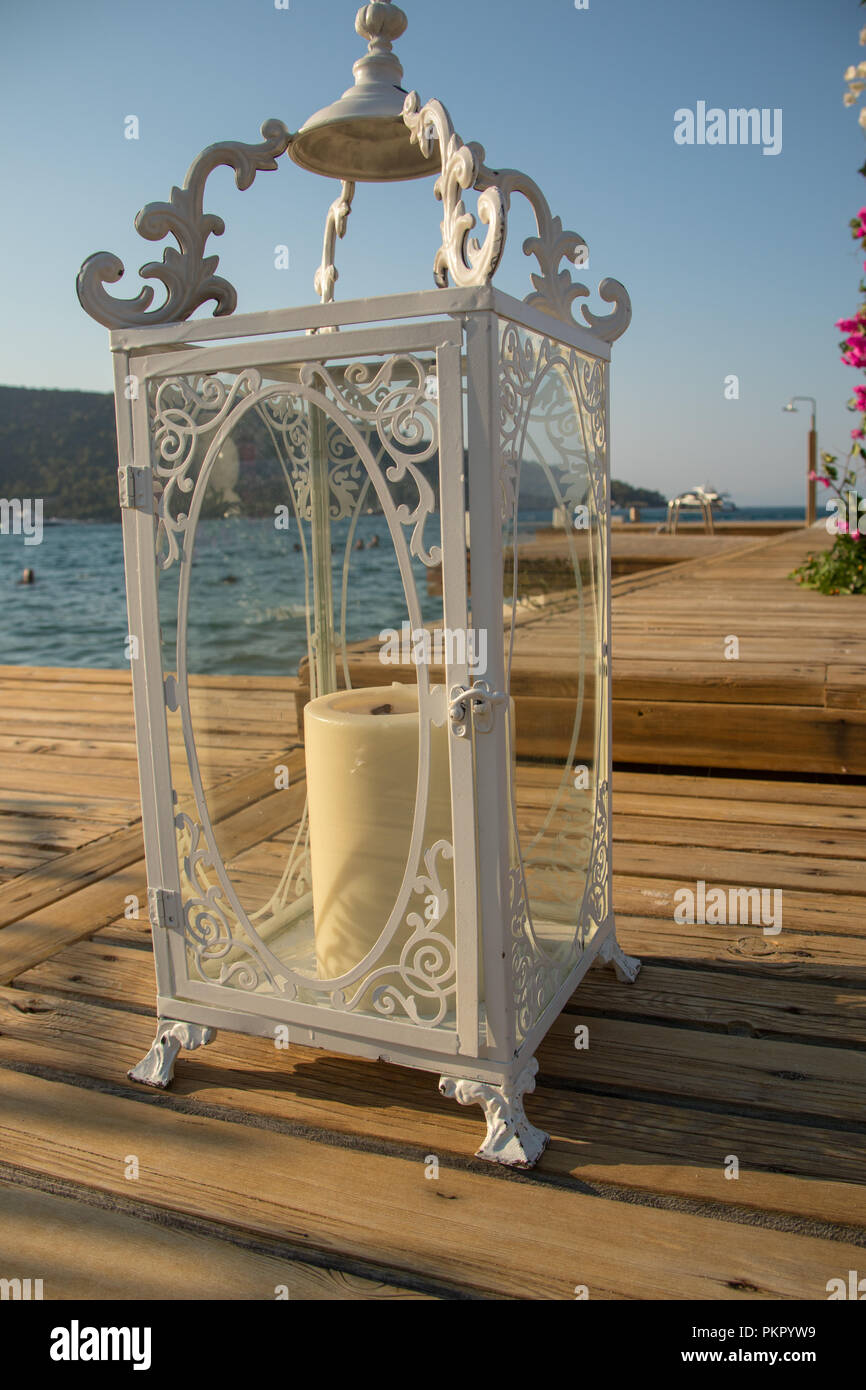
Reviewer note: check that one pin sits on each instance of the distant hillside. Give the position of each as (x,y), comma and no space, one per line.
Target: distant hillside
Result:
(61,446)
(624,495)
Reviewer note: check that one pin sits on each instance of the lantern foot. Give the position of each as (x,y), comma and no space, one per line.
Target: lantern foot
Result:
(625,967)
(510,1138)
(157,1068)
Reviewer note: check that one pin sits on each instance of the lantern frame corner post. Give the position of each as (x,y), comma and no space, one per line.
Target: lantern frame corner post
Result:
(156,786)
(458,677)
(511,1139)
(610,952)
(157,1067)
(491,755)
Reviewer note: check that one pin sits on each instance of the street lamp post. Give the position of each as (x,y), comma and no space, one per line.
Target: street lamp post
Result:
(812,455)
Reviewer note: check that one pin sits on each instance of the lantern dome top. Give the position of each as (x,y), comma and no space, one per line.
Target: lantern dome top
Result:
(363,136)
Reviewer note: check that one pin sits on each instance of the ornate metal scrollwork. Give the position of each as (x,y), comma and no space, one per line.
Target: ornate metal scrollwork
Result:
(406,424)
(187,274)
(470,263)
(467,262)
(427,969)
(598,894)
(555,290)
(216,943)
(524,363)
(534,981)
(183,413)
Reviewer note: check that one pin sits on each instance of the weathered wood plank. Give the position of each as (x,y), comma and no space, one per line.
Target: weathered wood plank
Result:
(783,738)
(70,873)
(740,1004)
(740,789)
(495,1238)
(744,816)
(759,1074)
(108,967)
(93,1249)
(762,867)
(244,812)
(836,954)
(593,1134)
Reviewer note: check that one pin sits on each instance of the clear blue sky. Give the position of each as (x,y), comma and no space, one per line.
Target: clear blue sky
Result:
(736,262)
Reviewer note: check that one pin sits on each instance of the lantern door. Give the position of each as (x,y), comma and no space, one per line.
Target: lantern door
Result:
(303,584)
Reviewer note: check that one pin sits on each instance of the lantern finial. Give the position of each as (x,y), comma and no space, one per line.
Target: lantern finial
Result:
(381,23)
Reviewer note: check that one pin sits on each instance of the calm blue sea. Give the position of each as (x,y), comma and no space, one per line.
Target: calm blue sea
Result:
(246,595)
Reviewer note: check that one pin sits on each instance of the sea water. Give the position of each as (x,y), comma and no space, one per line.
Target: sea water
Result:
(247,599)
(247,611)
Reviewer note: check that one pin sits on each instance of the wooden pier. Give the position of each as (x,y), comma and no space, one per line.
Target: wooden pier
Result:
(307,1170)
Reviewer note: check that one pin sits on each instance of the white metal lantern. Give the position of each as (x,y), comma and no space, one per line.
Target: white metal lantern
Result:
(430,879)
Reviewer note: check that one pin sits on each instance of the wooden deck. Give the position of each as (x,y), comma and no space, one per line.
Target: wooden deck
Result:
(792,700)
(304,1169)
(787,695)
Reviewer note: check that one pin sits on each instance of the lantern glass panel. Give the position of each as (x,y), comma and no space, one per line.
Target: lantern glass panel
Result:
(553,423)
(300,536)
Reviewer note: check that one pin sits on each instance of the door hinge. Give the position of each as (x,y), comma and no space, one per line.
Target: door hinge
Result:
(132,488)
(164,908)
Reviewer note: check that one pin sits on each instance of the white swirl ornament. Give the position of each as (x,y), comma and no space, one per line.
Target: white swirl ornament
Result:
(187,274)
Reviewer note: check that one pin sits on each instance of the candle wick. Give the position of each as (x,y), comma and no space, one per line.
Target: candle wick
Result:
(382,709)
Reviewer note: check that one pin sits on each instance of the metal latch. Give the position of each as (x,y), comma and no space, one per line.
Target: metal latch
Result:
(132,488)
(478,697)
(164,908)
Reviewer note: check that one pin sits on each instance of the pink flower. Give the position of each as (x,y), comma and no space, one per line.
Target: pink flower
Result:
(857,434)
(849,325)
(860,397)
(812,477)
(825,481)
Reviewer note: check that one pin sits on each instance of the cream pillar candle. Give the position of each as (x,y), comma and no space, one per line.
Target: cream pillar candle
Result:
(362,768)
